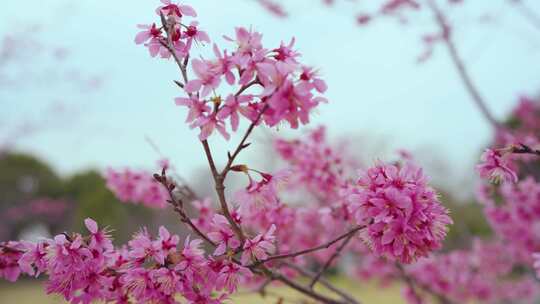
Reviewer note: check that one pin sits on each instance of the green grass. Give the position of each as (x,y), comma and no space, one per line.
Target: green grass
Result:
(31,292)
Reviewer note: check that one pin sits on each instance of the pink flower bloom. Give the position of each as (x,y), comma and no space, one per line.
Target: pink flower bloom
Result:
(164,245)
(99,239)
(206,213)
(10,253)
(141,246)
(150,32)
(495,167)
(224,63)
(310,79)
(192,257)
(291,103)
(247,41)
(223,235)
(197,107)
(207,78)
(175,10)
(286,58)
(404,217)
(33,261)
(259,195)
(536,265)
(233,106)
(193,33)
(139,283)
(230,275)
(259,247)
(165,280)
(136,187)
(210,123)
(315,164)
(152,37)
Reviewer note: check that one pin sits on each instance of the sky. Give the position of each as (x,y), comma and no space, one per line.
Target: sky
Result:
(381,99)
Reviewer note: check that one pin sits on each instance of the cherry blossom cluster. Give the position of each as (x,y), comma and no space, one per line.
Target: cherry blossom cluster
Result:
(181,36)
(515,214)
(314,163)
(288,90)
(482,274)
(47,207)
(136,186)
(85,269)
(262,231)
(513,207)
(404,215)
(495,166)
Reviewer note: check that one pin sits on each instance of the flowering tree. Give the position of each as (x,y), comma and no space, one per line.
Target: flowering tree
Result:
(388,218)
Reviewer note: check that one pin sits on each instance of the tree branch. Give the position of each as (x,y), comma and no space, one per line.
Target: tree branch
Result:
(527,13)
(323,282)
(306,251)
(412,285)
(220,189)
(242,145)
(460,66)
(330,260)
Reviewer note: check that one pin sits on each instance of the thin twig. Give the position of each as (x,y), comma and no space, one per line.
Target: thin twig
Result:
(220,190)
(219,179)
(410,283)
(178,206)
(413,284)
(524,149)
(323,282)
(309,250)
(305,290)
(330,260)
(527,12)
(242,145)
(460,66)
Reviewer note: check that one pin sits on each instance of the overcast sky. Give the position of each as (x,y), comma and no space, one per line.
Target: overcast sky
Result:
(377,91)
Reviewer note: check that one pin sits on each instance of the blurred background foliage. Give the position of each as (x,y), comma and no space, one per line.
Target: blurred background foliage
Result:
(26,179)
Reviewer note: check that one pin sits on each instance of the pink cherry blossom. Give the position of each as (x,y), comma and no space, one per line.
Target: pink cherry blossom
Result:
(136,187)
(404,216)
(175,10)
(495,166)
(197,107)
(536,265)
(233,107)
(193,33)
(208,77)
(259,247)
(223,235)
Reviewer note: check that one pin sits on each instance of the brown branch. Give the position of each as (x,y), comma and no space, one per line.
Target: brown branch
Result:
(309,250)
(330,260)
(219,180)
(242,145)
(219,184)
(460,66)
(410,283)
(178,206)
(413,284)
(524,149)
(305,290)
(323,282)
(527,13)
(170,47)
